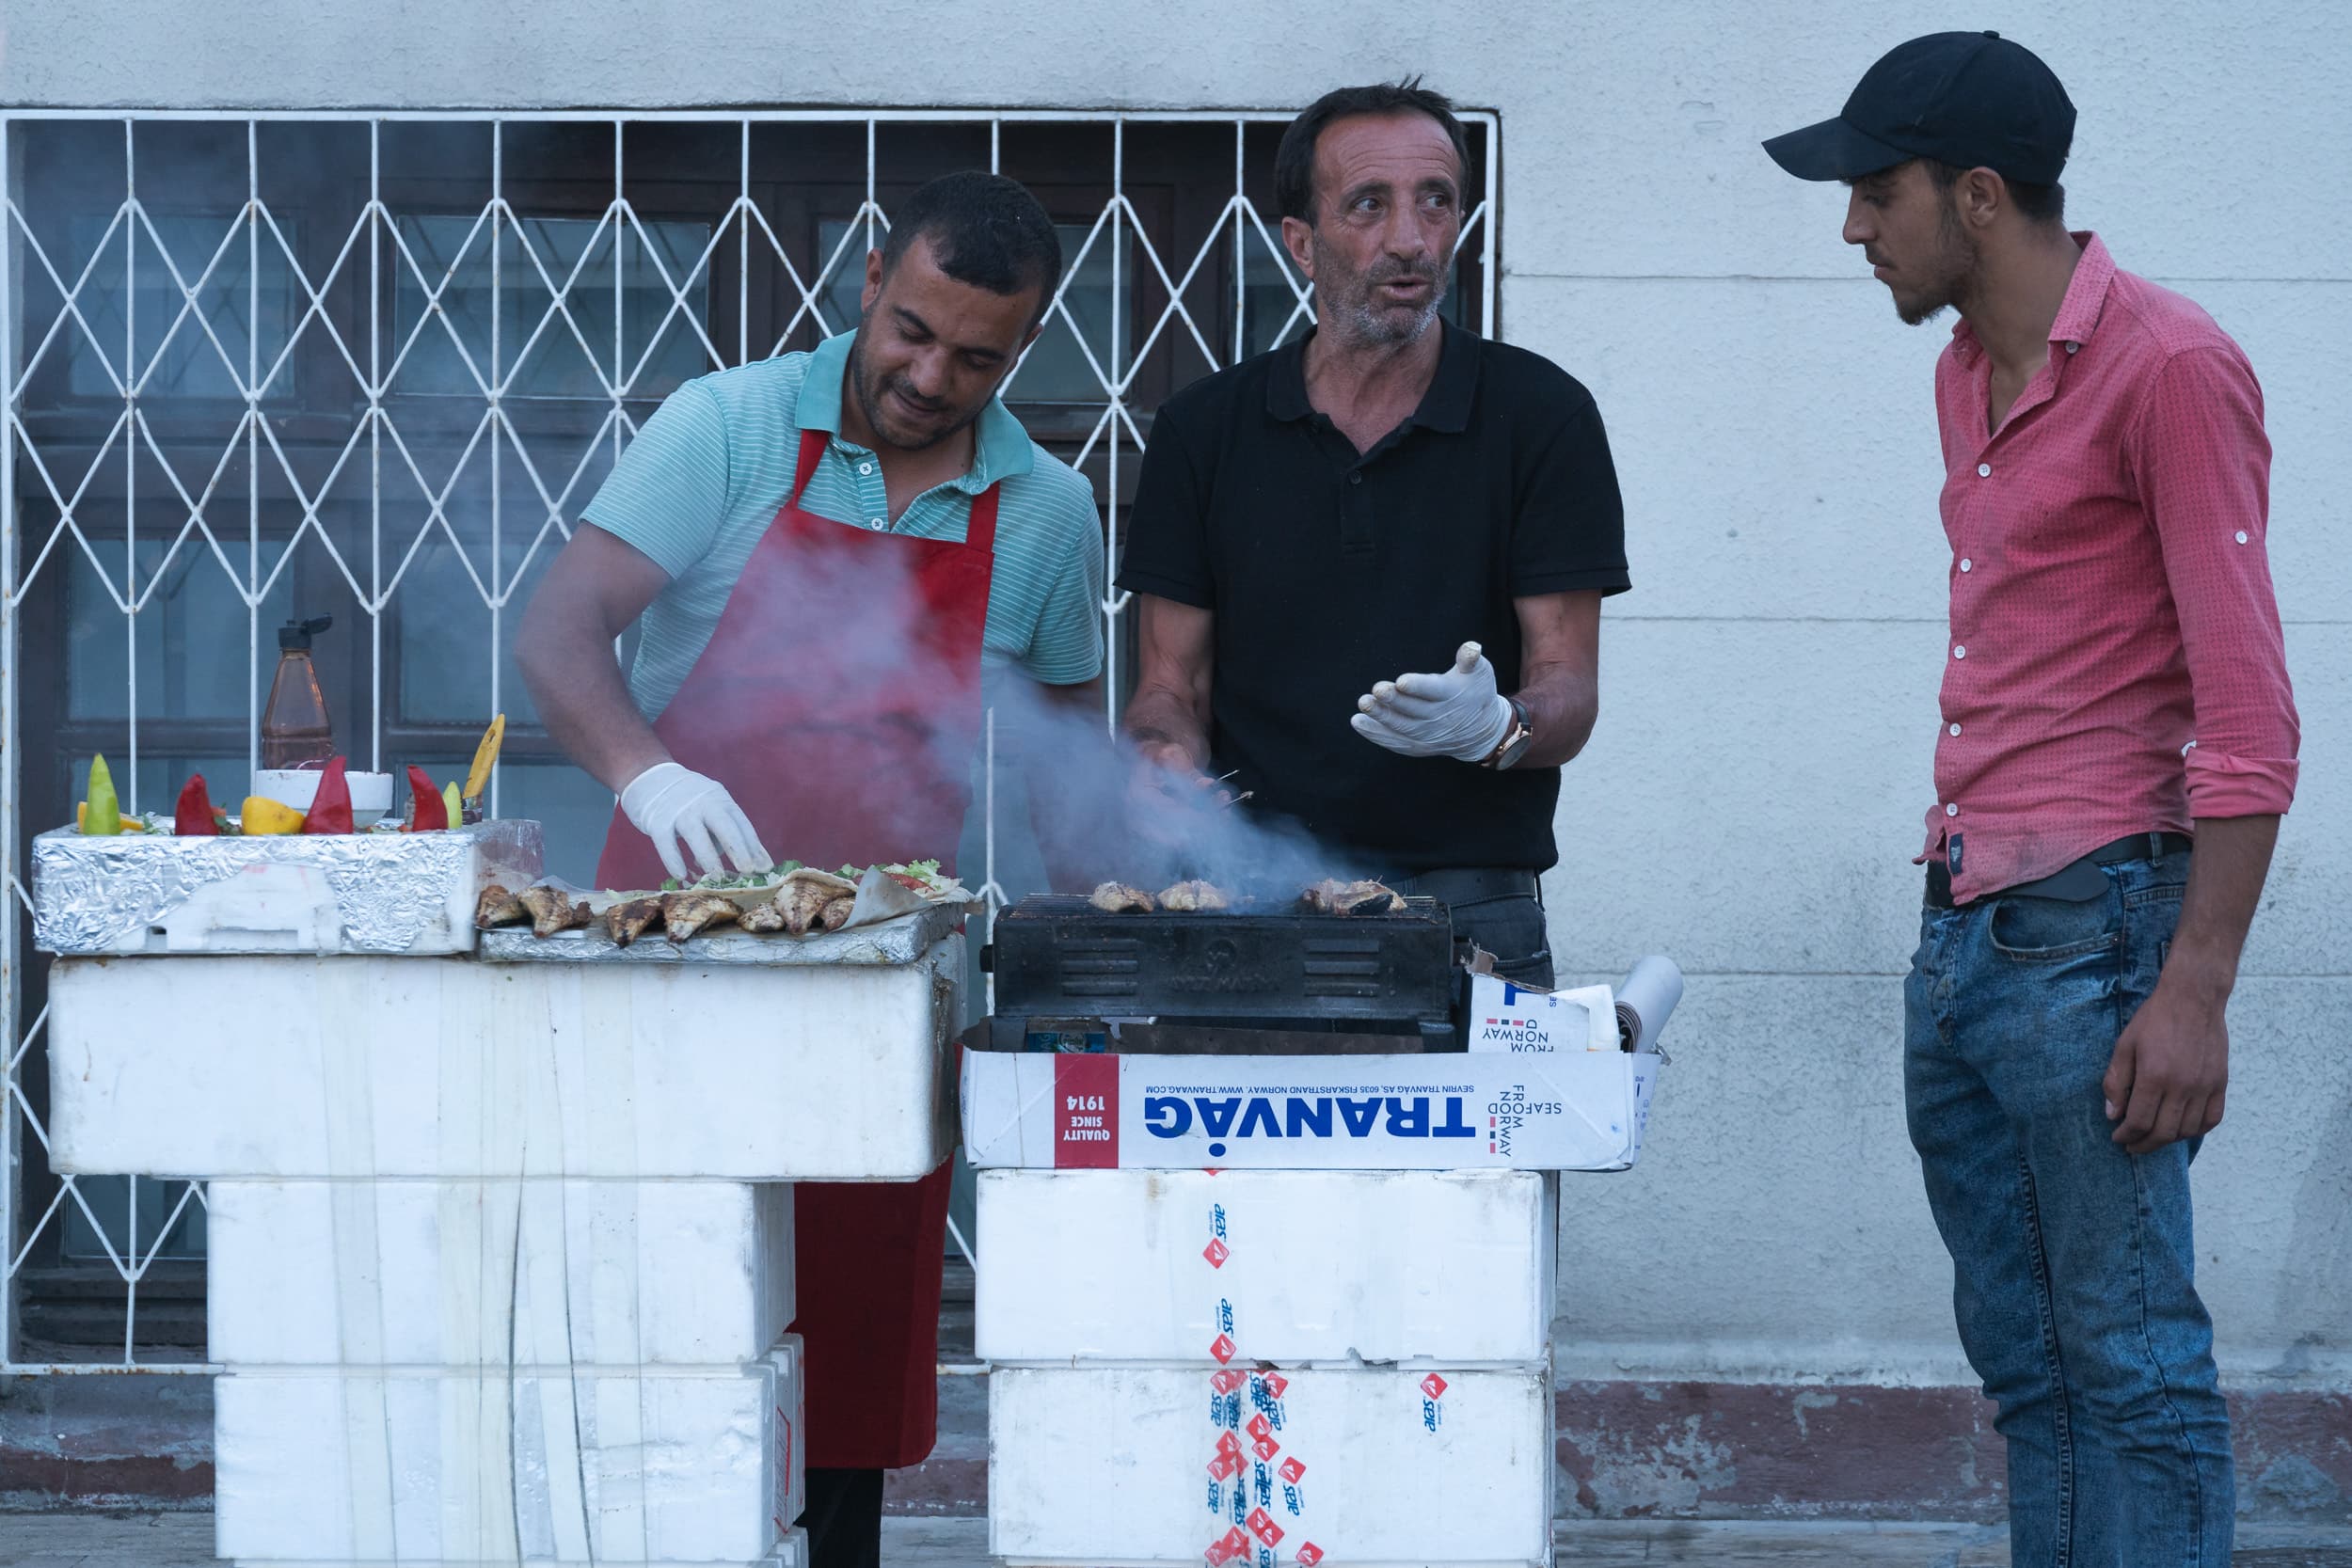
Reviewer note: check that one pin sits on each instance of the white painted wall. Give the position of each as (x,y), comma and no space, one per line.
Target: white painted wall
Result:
(1754,793)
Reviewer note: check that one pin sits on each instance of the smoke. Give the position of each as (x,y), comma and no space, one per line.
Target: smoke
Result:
(1101,820)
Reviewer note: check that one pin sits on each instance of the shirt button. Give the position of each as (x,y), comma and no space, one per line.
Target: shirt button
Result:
(865,468)
(1960,653)
(1984,471)
(2073,348)
(1354,479)
(879,524)
(1952,811)
(1967,564)
(1955,729)
(2241,536)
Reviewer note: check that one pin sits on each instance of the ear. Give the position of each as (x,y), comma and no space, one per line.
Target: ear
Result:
(873,281)
(1298,238)
(1034,333)
(1982,195)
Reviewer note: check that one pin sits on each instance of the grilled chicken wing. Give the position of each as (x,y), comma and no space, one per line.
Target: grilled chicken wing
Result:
(1195,896)
(763,918)
(802,903)
(497,907)
(1331,896)
(836,914)
(626,922)
(1119,898)
(552,911)
(685,913)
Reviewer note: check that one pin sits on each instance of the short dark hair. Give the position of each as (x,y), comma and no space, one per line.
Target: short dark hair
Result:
(985,230)
(2034,203)
(1295,161)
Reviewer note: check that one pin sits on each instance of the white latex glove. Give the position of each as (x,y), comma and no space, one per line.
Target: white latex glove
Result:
(1454,713)
(677,807)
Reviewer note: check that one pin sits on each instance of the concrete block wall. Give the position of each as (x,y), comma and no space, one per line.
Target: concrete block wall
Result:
(1754,792)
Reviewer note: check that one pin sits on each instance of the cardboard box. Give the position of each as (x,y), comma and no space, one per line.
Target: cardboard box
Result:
(1445,1268)
(506,1274)
(1581,1110)
(1136,1465)
(667,1466)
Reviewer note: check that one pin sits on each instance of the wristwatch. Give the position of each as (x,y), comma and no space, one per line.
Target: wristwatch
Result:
(1517,738)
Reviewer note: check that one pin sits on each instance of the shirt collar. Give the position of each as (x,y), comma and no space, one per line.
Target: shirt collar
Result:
(2078,314)
(1446,405)
(1000,448)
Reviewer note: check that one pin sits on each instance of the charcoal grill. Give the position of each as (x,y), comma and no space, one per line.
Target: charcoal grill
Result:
(1278,968)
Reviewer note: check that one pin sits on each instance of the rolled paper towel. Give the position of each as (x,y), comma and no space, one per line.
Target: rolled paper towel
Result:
(1646,1000)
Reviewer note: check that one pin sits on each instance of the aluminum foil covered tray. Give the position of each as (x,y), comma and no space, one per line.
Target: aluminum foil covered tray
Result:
(327,892)
(902,941)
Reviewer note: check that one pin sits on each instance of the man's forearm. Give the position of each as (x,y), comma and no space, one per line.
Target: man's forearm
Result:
(1158,716)
(585,703)
(1562,706)
(2225,884)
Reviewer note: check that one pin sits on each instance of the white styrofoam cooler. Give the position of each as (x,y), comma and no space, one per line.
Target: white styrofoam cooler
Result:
(361,1066)
(790,1552)
(1375,1465)
(652,1467)
(505,1273)
(1449,1268)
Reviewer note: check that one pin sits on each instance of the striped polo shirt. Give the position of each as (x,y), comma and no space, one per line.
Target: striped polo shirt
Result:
(704,479)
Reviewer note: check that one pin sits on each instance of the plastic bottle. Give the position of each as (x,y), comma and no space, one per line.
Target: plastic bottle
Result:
(294,728)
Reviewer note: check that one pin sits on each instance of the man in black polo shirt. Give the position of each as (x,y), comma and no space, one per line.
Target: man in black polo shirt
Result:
(1368,566)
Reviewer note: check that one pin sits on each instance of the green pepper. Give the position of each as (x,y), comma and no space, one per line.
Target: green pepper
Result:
(104,819)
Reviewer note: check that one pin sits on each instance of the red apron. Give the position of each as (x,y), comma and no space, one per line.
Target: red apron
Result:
(839,703)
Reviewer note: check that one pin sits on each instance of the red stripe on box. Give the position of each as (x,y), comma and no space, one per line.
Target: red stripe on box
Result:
(1086,1111)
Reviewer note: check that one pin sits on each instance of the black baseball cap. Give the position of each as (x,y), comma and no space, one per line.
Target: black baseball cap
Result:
(1971,100)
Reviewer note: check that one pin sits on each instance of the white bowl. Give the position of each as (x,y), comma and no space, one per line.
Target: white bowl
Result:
(371,793)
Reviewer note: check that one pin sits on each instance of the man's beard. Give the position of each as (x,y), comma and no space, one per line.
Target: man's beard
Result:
(1350,294)
(1956,257)
(871,388)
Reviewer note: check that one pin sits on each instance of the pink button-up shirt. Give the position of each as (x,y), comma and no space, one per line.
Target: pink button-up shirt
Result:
(2115,663)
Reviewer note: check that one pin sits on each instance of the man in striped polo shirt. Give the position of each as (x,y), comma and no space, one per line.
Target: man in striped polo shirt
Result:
(826,550)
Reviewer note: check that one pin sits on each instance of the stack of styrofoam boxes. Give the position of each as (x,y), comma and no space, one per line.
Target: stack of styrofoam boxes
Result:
(1268,1367)
(502,1371)
(501,1253)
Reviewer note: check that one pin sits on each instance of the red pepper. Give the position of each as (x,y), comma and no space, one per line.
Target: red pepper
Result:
(330,808)
(425,810)
(193,818)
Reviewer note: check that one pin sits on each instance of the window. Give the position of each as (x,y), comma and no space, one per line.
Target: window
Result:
(387,275)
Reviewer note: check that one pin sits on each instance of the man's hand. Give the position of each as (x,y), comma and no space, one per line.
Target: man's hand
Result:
(1454,713)
(2170,1070)
(681,810)
(1165,788)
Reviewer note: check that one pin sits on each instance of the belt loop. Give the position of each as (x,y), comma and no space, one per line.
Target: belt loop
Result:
(2155,846)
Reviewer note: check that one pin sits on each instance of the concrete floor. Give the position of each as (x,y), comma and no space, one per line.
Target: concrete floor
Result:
(186,1540)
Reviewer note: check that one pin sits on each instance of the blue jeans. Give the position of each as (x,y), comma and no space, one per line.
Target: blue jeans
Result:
(2073,1262)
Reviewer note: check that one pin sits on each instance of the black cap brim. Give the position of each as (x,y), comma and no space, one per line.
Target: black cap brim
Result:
(1834,151)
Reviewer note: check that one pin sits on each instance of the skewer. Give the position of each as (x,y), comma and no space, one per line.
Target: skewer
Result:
(1228,806)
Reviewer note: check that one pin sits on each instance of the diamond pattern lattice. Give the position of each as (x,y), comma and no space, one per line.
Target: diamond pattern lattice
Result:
(267,345)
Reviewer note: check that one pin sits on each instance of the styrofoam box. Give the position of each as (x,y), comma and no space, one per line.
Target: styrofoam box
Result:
(790,1552)
(1121,1465)
(358,1067)
(650,1466)
(529,1274)
(1453,1268)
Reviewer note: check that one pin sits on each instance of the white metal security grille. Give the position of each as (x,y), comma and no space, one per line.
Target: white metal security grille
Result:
(451,318)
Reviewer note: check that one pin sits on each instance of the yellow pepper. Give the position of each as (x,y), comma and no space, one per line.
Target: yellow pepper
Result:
(103,816)
(261,815)
(452,803)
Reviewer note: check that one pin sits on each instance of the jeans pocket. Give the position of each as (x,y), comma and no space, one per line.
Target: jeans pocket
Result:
(2046,930)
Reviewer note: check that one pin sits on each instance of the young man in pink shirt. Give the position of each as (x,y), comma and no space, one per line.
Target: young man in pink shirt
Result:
(2114,692)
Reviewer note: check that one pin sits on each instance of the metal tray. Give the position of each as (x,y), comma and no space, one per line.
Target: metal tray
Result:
(903,941)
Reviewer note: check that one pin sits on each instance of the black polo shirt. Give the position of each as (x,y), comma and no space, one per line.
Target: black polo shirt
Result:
(1327,571)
